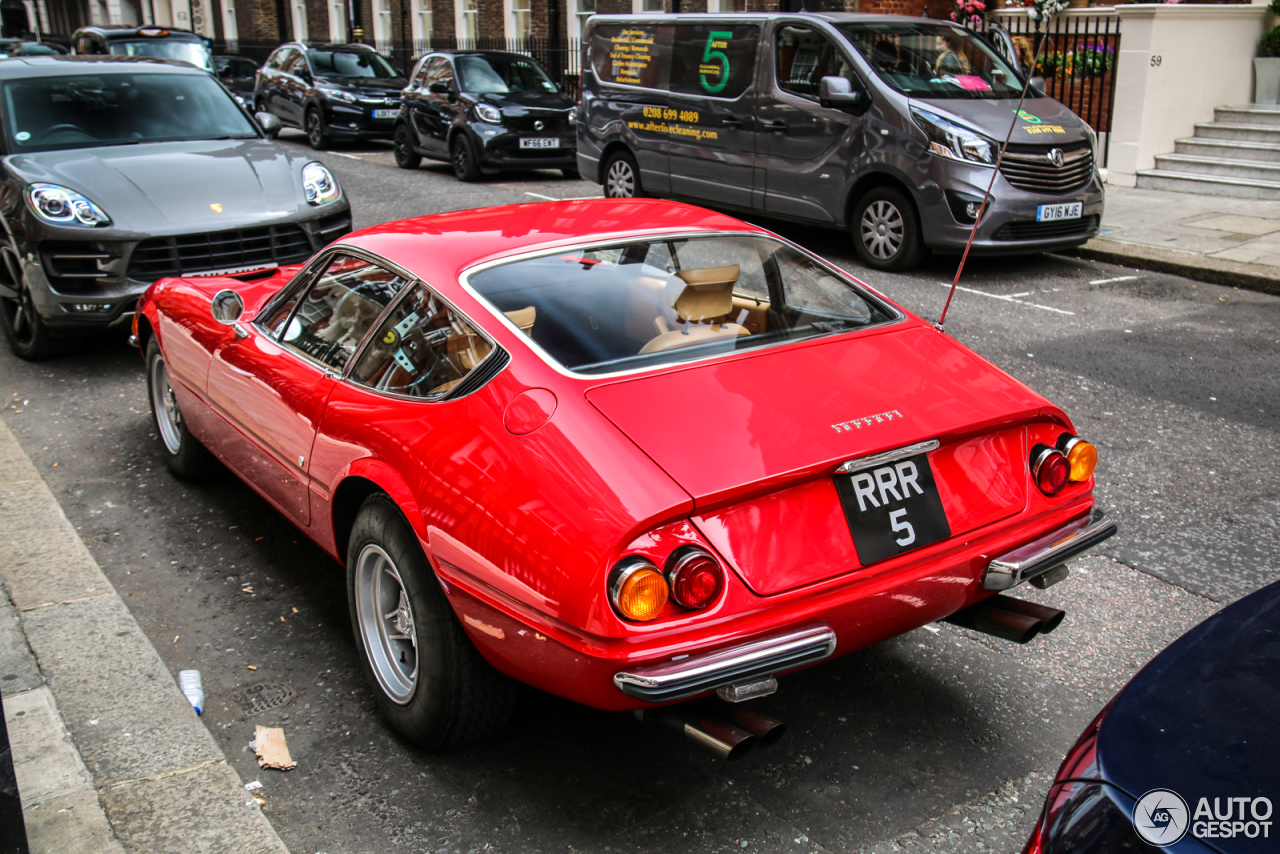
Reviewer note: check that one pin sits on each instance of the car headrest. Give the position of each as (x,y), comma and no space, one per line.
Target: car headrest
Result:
(708,292)
(523,318)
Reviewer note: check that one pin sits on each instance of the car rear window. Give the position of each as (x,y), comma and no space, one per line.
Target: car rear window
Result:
(84,111)
(631,305)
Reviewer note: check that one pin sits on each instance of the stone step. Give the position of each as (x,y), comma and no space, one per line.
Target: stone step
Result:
(1238,132)
(1243,170)
(1226,149)
(1207,185)
(1249,114)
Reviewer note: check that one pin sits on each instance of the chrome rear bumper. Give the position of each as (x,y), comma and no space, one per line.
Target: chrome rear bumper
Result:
(1053,549)
(698,674)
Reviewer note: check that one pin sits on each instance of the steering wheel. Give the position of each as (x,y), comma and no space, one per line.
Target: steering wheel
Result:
(420,346)
(75,129)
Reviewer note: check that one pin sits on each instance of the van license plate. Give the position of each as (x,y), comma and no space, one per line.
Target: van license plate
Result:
(539,142)
(1069,210)
(385,114)
(892,508)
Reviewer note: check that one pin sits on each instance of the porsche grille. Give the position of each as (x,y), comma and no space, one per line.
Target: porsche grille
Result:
(1034,171)
(185,254)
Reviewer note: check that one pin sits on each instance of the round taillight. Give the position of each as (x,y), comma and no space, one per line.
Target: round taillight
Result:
(696,578)
(1081,456)
(638,591)
(1050,469)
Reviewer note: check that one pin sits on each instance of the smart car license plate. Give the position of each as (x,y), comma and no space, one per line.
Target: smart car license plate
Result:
(1066,210)
(385,114)
(539,142)
(892,508)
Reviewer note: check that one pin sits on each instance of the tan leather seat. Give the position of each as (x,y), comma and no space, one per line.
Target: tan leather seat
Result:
(705,301)
(523,318)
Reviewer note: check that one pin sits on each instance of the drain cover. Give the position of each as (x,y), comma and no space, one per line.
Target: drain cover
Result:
(263,696)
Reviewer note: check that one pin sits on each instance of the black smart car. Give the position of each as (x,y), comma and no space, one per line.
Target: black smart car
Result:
(333,92)
(485,111)
(160,42)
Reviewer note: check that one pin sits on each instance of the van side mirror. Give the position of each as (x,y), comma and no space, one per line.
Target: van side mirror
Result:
(838,93)
(1038,83)
(270,124)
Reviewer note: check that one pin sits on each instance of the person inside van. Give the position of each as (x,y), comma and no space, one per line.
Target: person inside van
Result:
(1026,56)
(884,55)
(951,61)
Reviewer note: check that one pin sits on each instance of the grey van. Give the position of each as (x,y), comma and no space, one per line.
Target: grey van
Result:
(887,125)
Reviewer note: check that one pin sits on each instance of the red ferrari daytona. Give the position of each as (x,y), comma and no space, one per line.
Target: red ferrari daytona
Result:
(628,452)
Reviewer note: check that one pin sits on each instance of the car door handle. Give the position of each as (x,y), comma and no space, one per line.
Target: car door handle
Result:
(240,331)
(732,121)
(777,126)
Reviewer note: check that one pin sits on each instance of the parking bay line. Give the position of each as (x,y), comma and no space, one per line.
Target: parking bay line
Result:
(1008,298)
(554,199)
(1116,279)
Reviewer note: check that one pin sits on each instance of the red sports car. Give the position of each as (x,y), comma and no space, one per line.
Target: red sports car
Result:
(628,452)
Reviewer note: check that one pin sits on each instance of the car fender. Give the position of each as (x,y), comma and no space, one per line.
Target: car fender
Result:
(329,520)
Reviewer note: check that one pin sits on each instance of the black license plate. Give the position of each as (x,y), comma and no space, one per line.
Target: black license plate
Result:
(892,508)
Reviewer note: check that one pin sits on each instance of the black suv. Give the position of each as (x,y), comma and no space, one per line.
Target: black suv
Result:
(162,42)
(332,91)
(484,111)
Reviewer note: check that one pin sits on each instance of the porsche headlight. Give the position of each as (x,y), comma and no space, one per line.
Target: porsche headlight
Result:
(319,185)
(949,139)
(61,206)
(489,114)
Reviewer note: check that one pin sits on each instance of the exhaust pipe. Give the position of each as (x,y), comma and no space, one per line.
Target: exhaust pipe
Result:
(767,730)
(1006,617)
(714,734)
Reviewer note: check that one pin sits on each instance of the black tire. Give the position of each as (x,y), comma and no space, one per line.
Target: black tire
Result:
(622,177)
(24,329)
(452,696)
(317,131)
(183,453)
(886,230)
(571,172)
(406,157)
(463,159)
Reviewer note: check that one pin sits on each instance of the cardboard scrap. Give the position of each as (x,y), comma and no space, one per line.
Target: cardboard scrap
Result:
(271,748)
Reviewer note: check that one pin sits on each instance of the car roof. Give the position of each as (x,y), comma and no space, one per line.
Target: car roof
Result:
(110,33)
(348,48)
(64,65)
(439,247)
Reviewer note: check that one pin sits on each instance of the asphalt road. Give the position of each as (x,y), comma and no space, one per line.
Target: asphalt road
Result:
(938,740)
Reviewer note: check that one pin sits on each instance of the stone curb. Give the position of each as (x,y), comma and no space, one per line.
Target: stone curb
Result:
(1192,265)
(103,727)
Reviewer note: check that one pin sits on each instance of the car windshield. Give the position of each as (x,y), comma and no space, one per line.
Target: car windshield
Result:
(502,74)
(604,309)
(933,60)
(350,63)
(193,52)
(83,111)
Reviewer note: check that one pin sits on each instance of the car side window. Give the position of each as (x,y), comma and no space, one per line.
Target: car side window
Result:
(713,59)
(297,65)
(804,56)
(439,71)
(278,59)
(336,312)
(423,349)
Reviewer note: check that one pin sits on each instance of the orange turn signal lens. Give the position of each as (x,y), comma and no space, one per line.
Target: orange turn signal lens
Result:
(639,591)
(1083,458)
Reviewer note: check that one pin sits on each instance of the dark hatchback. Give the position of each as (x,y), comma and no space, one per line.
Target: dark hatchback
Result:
(117,171)
(158,42)
(486,111)
(1184,758)
(333,92)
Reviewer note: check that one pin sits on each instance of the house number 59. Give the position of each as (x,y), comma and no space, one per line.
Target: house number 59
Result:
(1156,60)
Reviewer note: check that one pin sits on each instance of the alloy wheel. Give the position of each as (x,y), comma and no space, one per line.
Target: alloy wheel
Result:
(314,131)
(460,158)
(20,313)
(385,620)
(620,182)
(883,229)
(165,406)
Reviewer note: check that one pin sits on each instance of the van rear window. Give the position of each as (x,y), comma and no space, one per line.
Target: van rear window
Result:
(713,59)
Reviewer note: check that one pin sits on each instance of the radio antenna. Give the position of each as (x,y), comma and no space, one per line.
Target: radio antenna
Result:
(940,325)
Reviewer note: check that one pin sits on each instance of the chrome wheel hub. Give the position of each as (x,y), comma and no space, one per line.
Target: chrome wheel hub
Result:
(385,620)
(165,407)
(620,183)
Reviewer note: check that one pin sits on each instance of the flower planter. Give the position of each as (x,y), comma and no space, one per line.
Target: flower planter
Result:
(1266,80)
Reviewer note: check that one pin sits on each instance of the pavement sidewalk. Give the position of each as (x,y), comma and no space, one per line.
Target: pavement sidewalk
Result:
(108,754)
(1208,238)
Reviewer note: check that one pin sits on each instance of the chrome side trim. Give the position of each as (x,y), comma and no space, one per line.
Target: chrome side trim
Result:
(1043,554)
(698,674)
(874,460)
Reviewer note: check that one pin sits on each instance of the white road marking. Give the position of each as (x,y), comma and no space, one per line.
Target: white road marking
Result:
(1007,298)
(348,156)
(540,196)
(1116,279)
(566,199)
